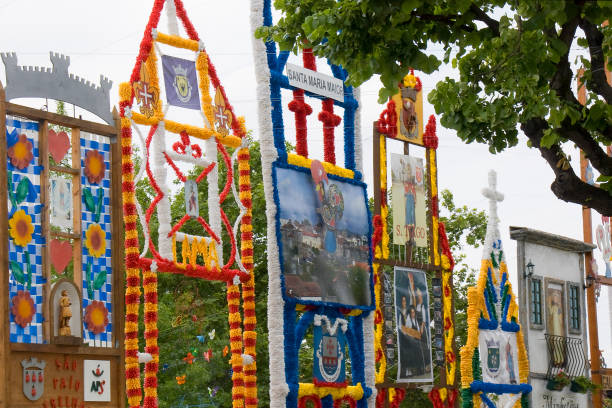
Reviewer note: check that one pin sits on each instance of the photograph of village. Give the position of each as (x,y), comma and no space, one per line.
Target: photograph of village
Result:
(311,271)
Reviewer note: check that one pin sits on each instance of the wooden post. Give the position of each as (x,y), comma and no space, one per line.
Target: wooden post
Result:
(4,277)
(77,257)
(43,160)
(118,251)
(587,233)
(376,163)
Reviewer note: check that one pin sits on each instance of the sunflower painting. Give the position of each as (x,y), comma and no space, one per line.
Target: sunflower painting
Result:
(95,240)
(21,228)
(23,309)
(21,152)
(94,166)
(96,317)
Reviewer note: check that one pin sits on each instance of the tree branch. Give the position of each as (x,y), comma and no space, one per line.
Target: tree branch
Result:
(561,81)
(450,19)
(567,185)
(584,140)
(599,83)
(484,17)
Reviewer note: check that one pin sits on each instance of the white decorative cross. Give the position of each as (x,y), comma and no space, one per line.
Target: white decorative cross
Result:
(493,195)
(145,95)
(493,244)
(222,118)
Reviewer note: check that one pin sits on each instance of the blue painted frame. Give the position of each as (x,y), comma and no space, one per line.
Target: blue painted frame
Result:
(278,81)
(294,329)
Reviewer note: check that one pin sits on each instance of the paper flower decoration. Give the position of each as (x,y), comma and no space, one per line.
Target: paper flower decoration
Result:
(94,166)
(23,308)
(450,356)
(447,323)
(189,358)
(95,240)
(180,379)
(21,153)
(96,317)
(346,401)
(225,351)
(208,354)
(201,339)
(211,334)
(21,228)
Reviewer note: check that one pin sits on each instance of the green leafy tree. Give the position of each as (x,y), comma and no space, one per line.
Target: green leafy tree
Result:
(513,58)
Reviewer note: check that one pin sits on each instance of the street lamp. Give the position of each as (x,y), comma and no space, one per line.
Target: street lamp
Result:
(590,279)
(529,270)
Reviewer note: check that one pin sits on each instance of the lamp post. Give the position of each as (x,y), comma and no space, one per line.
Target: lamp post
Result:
(528,270)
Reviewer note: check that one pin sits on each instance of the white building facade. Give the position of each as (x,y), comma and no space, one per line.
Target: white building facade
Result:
(551,291)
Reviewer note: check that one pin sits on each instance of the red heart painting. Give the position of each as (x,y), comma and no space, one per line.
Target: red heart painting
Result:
(59,143)
(61,254)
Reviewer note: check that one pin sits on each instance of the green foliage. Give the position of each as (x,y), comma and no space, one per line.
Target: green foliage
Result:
(94,283)
(18,274)
(22,190)
(584,384)
(512,58)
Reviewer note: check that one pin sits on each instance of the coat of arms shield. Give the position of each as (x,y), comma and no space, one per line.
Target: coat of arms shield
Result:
(33,378)
(329,355)
(493,357)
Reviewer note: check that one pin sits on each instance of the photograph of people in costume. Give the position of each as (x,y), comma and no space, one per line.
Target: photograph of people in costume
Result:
(324,234)
(409,201)
(413,332)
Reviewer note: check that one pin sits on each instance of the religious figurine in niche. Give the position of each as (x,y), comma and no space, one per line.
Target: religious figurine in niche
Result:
(65,314)
(408,120)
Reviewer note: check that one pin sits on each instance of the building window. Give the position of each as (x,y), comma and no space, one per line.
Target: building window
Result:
(536,302)
(574,307)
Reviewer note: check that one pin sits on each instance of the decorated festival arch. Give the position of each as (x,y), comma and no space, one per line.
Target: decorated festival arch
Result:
(320,295)
(414,338)
(169,151)
(494,362)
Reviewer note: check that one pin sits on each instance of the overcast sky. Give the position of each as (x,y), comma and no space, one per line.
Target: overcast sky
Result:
(103,38)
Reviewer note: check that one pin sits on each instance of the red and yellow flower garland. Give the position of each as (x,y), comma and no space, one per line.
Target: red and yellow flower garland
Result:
(133,261)
(445,259)
(130,218)
(248,288)
(381,252)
